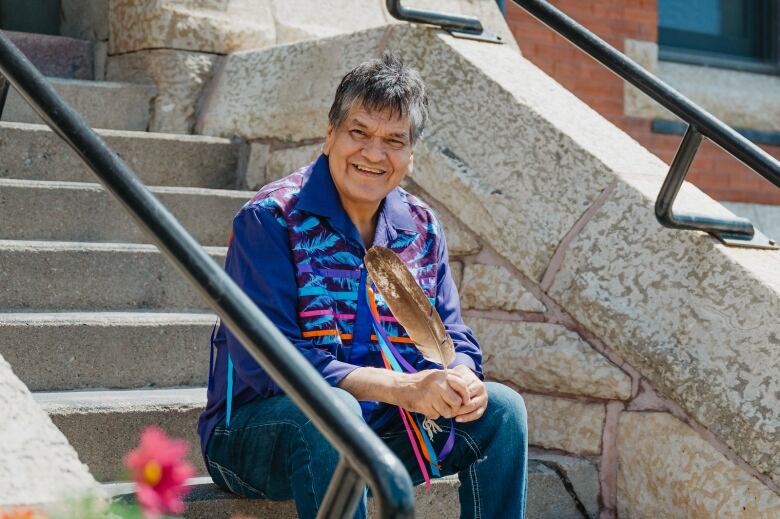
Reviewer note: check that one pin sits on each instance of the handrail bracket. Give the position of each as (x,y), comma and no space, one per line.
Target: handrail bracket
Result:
(458,26)
(737,232)
(485,35)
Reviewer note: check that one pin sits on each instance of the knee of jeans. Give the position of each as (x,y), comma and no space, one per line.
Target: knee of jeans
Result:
(349,400)
(509,404)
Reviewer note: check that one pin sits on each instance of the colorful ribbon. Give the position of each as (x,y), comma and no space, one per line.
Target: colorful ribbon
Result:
(392,359)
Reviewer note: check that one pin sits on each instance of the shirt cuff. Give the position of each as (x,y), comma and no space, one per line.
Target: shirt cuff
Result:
(336,370)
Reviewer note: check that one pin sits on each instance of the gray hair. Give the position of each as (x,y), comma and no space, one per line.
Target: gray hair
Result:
(379,85)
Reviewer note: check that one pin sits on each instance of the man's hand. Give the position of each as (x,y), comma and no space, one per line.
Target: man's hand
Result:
(459,393)
(475,407)
(434,394)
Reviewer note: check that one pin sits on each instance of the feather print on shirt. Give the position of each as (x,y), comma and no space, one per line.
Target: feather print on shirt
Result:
(314,281)
(308,224)
(341,258)
(404,240)
(424,251)
(319,243)
(316,324)
(346,284)
(318,303)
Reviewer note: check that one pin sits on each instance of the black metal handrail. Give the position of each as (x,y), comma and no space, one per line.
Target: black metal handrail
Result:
(734,231)
(364,457)
(701,123)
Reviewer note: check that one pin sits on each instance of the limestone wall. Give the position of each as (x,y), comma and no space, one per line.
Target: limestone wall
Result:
(651,352)
(38,467)
(176,44)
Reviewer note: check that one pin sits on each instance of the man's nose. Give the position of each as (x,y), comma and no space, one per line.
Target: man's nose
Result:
(373,150)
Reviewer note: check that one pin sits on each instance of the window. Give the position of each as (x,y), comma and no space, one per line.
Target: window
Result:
(730,33)
(39,16)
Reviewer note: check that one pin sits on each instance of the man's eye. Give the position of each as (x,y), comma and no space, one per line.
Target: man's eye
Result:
(397,144)
(358,133)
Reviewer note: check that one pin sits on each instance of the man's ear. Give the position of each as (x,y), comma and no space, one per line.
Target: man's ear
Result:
(328,140)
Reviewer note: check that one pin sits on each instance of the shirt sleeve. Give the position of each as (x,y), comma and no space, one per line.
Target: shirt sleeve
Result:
(467,349)
(260,261)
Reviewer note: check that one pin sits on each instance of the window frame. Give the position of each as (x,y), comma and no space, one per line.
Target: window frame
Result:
(767,65)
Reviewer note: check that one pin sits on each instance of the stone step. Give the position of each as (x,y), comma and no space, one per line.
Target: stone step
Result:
(124,350)
(206,501)
(56,56)
(34,152)
(102,104)
(547,498)
(76,211)
(76,276)
(104,425)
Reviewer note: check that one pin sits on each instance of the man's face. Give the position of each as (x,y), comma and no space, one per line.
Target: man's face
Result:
(368,154)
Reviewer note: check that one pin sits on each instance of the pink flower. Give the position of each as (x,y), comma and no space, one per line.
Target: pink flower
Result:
(160,472)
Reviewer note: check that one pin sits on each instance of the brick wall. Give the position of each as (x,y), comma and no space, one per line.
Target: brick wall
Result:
(714,171)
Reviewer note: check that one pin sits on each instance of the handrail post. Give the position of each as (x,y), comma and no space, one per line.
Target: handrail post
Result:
(344,493)
(738,227)
(4,86)
(677,173)
(369,457)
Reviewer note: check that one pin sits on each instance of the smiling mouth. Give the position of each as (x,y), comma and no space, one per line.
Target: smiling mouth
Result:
(368,170)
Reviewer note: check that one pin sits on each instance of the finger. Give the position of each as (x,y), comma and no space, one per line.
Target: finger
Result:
(466,409)
(431,413)
(477,401)
(469,417)
(452,398)
(444,409)
(461,387)
(477,388)
(463,374)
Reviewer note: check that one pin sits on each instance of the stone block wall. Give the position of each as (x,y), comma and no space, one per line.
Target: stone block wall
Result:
(178,44)
(583,399)
(38,467)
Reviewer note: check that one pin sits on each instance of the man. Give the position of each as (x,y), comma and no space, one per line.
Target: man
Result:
(297,250)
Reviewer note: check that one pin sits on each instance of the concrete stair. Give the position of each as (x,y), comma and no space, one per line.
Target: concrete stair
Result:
(75,276)
(104,425)
(57,56)
(57,351)
(34,152)
(97,322)
(547,499)
(85,212)
(102,104)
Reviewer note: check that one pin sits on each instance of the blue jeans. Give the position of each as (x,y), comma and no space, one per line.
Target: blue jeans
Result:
(273,451)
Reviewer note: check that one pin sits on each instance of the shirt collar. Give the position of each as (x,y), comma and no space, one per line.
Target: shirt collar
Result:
(319,196)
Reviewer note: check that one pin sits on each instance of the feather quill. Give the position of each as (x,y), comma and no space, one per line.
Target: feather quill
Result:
(410,305)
